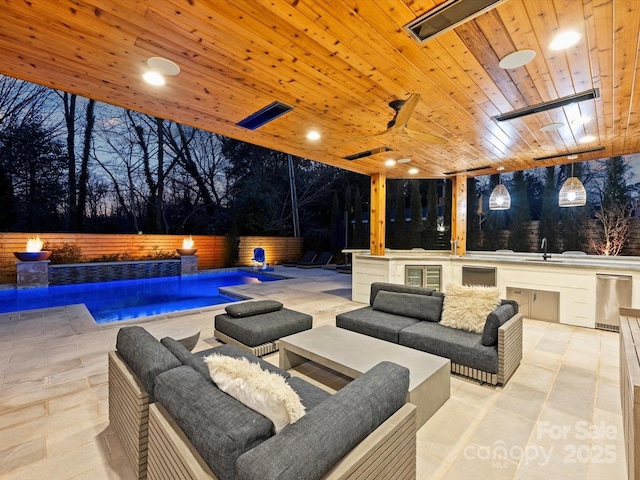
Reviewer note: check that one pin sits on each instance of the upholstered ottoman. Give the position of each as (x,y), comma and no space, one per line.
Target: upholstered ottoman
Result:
(256,326)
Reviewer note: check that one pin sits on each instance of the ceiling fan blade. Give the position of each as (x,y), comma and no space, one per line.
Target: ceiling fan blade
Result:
(425,137)
(405,112)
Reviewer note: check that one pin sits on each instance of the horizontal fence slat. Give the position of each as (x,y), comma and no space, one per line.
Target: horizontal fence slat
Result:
(211,248)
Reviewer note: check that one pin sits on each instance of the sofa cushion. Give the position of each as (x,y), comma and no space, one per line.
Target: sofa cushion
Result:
(310,395)
(264,392)
(218,426)
(396,287)
(195,360)
(145,355)
(467,307)
(460,346)
(495,320)
(513,303)
(422,307)
(382,325)
(246,309)
(308,448)
(265,327)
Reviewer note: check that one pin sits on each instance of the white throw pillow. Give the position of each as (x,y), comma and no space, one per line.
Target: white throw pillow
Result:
(467,307)
(265,392)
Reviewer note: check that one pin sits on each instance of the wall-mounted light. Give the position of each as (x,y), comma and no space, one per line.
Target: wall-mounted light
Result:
(500,198)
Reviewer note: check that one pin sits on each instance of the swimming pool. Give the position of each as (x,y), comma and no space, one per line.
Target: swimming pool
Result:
(127,299)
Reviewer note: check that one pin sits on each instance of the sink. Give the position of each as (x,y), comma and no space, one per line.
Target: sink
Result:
(548,260)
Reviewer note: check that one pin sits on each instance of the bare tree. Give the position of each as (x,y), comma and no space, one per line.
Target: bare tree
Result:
(617,204)
(22,101)
(77,186)
(613,233)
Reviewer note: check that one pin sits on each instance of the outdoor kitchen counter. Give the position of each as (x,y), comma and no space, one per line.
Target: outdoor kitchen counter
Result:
(572,276)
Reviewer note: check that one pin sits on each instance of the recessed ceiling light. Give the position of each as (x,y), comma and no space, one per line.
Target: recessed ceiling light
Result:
(564,40)
(154,78)
(517,59)
(313,135)
(163,66)
(552,127)
(581,120)
(413,171)
(404,160)
(499,169)
(587,139)
(390,162)
(572,157)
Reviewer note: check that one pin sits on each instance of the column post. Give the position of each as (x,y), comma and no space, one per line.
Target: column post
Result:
(459,215)
(377,213)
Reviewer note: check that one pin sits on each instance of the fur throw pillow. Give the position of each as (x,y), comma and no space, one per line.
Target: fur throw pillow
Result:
(265,392)
(467,307)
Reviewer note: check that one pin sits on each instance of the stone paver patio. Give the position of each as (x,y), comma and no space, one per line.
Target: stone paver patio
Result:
(546,423)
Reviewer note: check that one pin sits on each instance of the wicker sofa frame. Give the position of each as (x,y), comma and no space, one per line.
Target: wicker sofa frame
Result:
(509,340)
(389,452)
(158,449)
(129,412)
(509,355)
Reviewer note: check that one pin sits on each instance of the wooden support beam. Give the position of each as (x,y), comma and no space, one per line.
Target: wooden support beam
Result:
(377,214)
(459,215)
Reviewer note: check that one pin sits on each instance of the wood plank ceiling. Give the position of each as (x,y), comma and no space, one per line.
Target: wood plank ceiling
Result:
(340,63)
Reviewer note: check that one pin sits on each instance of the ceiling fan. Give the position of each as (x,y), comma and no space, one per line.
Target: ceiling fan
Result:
(398,124)
(397,127)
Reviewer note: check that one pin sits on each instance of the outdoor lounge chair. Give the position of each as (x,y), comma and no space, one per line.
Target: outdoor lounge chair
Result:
(260,258)
(322,259)
(306,258)
(344,268)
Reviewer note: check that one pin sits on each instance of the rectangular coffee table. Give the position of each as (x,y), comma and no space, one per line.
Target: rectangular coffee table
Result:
(352,354)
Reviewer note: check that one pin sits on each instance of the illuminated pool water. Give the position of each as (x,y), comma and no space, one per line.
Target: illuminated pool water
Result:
(127,299)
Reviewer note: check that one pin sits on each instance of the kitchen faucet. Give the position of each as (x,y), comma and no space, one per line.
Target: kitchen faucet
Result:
(543,246)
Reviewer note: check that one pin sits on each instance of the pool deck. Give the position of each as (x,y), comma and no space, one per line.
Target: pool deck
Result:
(54,411)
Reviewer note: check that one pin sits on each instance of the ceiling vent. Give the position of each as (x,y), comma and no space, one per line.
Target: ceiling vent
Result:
(367,153)
(543,107)
(566,154)
(469,170)
(265,115)
(447,16)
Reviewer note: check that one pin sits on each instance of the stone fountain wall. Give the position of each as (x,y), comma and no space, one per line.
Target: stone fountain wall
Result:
(69,274)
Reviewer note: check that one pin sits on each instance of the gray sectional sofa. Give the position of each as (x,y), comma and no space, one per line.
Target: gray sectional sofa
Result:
(410,316)
(175,423)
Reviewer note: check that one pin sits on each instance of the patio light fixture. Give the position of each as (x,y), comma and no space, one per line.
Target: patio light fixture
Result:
(572,193)
(500,198)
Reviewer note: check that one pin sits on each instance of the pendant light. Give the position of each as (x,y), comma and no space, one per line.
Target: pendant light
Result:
(500,198)
(572,193)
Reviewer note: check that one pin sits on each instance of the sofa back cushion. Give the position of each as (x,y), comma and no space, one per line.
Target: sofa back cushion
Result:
(248,309)
(218,426)
(394,287)
(495,320)
(196,360)
(145,355)
(467,307)
(312,445)
(513,303)
(422,307)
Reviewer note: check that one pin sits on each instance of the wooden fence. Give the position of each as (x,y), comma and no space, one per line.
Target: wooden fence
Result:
(211,249)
